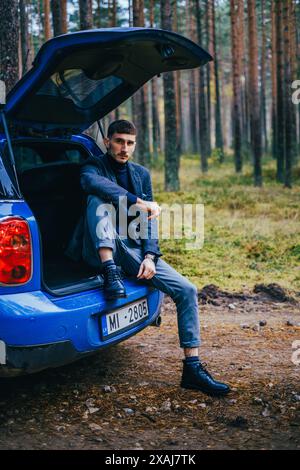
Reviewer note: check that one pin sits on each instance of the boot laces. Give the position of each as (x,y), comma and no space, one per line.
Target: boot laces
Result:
(113,275)
(203,366)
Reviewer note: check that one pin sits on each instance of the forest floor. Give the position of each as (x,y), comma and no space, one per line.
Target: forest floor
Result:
(128,396)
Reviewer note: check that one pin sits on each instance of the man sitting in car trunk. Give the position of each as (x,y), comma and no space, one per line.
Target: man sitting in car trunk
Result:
(116,186)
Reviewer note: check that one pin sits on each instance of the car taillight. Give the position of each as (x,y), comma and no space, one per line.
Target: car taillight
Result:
(15,251)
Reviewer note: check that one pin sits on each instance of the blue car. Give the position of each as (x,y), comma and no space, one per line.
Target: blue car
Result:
(52,308)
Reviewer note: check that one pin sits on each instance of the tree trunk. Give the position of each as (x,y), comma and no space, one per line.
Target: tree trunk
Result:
(274,82)
(263,78)
(253,94)
(236,70)
(114,13)
(203,123)
(171,156)
(86,14)
(40,34)
(287,98)
(177,78)
(209,69)
(218,120)
(9,43)
(155,119)
(137,97)
(135,12)
(140,99)
(280,92)
(151,13)
(130,19)
(97,15)
(31,51)
(193,109)
(244,74)
(47,28)
(192,97)
(24,35)
(293,60)
(154,100)
(56,17)
(64,16)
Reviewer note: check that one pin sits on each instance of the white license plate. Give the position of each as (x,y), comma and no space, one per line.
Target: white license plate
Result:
(124,318)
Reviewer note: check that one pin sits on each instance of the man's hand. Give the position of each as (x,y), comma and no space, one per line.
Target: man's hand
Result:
(149,206)
(147,269)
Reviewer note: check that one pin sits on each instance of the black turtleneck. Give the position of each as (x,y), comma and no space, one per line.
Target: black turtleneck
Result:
(121,171)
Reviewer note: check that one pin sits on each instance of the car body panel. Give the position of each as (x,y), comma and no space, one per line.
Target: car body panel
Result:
(39,332)
(36,318)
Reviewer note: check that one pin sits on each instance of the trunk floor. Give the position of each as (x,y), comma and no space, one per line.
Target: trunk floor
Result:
(62,272)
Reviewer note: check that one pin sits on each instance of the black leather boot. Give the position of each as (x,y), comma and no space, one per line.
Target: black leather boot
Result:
(113,285)
(196,377)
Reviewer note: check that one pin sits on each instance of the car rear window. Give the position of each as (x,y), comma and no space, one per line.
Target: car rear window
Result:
(75,85)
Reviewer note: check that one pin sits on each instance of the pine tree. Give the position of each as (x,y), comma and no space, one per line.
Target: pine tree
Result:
(293,60)
(154,99)
(218,120)
(177,79)
(254,104)
(56,17)
(140,99)
(203,121)
(86,14)
(288,110)
(9,42)
(274,82)
(236,75)
(209,68)
(64,17)
(192,88)
(171,155)
(263,77)
(280,91)
(47,28)
(25,48)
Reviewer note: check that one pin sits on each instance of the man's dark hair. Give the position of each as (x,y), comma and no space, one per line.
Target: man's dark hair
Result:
(121,126)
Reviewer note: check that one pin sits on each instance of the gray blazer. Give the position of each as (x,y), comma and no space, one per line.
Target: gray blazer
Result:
(97,178)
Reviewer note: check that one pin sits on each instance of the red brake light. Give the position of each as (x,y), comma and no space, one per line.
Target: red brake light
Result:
(15,251)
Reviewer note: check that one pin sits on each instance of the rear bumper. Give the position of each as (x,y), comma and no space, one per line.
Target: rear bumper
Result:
(26,360)
(38,332)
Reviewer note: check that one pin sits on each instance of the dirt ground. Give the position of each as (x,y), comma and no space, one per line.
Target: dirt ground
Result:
(128,396)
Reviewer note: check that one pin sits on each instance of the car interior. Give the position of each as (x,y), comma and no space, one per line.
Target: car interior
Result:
(49,178)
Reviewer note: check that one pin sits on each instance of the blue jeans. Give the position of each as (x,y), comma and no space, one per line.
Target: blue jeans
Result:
(128,254)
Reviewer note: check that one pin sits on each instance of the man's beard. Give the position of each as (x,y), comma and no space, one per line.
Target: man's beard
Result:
(117,155)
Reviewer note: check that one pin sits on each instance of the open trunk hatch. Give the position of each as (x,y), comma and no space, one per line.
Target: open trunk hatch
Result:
(80,77)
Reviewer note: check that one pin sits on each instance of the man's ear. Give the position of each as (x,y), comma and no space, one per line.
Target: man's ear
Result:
(106,142)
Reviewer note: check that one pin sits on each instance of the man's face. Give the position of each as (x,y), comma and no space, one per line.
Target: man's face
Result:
(120,146)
